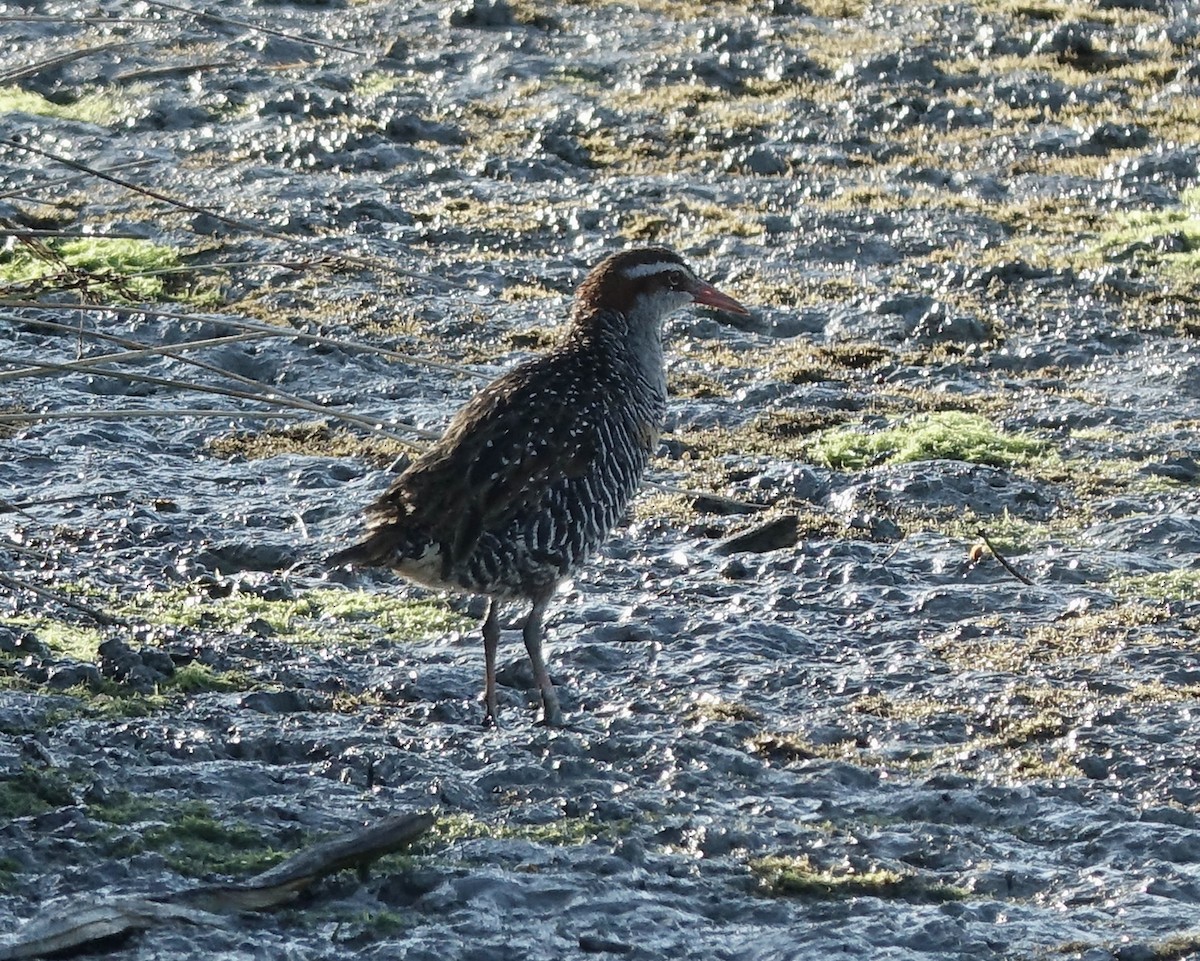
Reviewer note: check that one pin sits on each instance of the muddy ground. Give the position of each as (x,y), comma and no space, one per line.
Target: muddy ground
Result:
(967,232)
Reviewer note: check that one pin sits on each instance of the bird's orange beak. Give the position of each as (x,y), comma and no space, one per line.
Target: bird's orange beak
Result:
(709,296)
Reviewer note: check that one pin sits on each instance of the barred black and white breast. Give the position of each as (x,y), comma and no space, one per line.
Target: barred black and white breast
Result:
(531,475)
(534,471)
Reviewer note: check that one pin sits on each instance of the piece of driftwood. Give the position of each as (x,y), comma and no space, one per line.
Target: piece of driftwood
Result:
(70,925)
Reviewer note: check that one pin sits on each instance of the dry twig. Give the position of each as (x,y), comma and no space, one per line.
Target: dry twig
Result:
(1004,561)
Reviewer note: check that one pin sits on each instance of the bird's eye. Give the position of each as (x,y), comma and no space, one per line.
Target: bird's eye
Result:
(675,279)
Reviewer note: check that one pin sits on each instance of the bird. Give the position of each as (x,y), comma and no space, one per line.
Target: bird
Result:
(535,469)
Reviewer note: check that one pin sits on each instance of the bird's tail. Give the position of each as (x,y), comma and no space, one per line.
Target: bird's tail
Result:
(354,556)
(383,546)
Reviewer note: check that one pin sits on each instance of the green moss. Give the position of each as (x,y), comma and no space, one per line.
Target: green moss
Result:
(1156,692)
(709,708)
(100,108)
(375,83)
(803,363)
(786,747)
(949,435)
(63,638)
(513,219)
(1042,766)
(112,702)
(33,791)
(9,869)
(1177,946)
(1168,238)
(799,876)
(914,710)
(117,268)
(316,439)
(678,509)
(564,831)
(322,616)
(1012,535)
(196,678)
(1084,636)
(692,384)
(521,293)
(196,843)
(527,338)
(690,221)
(200,844)
(1178,585)
(1091,477)
(124,808)
(109,698)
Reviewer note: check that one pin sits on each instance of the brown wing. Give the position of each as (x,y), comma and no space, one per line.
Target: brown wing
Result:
(505,449)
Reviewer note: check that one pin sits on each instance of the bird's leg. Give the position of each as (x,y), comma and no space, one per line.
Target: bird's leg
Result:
(533,633)
(491,640)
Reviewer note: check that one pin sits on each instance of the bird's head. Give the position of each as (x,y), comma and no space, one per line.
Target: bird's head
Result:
(646,284)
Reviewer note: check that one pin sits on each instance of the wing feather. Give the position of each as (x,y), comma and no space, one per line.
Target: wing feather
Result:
(502,453)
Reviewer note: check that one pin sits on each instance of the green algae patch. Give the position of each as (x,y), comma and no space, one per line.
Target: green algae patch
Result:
(1166,238)
(1010,533)
(1181,585)
(911,710)
(709,708)
(62,638)
(565,831)
(196,678)
(521,293)
(33,791)
(68,640)
(98,108)
(113,703)
(9,869)
(116,268)
(124,808)
(800,876)
(786,747)
(191,838)
(376,83)
(309,439)
(1083,636)
(321,616)
(945,435)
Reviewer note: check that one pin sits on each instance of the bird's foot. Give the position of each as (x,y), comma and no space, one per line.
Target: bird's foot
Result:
(552,716)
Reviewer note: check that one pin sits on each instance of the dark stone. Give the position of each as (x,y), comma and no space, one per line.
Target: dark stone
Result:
(1176,167)
(482,14)
(284,702)
(1182,468)
(410,128)
(777,533)
(1094,767)
(734,569)
(259,628)
(939,325)
(877,527)
(762,160)
(119,662)
(22,643)
(74,674)
(1106,137)
(597,944)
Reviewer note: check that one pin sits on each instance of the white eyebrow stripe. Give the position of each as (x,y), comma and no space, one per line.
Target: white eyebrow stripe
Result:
(657,267)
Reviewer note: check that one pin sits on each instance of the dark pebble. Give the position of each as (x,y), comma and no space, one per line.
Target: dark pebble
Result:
(777,533)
